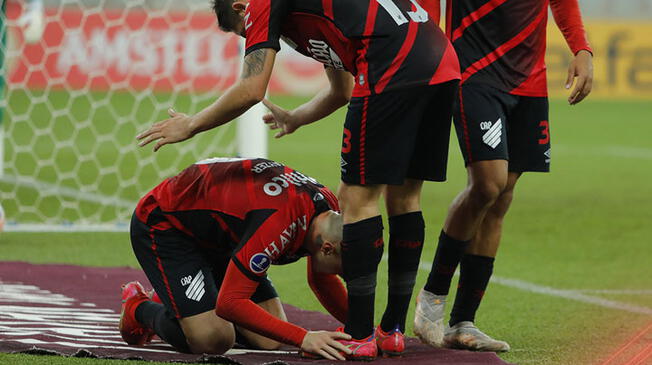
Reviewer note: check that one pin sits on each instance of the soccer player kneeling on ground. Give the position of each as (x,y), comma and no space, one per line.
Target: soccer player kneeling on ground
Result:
(205,239)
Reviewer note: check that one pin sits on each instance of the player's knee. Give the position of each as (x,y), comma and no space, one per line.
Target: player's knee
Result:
(401,204)
(486,192)
(211,340)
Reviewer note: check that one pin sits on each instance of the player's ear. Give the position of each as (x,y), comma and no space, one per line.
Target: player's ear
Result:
(239,6)
(327,248)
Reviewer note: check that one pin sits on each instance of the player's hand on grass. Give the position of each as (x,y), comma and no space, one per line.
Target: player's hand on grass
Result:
(325,344)
(580,71)
(172,130)
(279,118)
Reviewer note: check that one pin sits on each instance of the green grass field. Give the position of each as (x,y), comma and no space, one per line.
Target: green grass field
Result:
(585,226)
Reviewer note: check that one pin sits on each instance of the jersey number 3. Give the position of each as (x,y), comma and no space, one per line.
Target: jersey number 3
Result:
(418,16)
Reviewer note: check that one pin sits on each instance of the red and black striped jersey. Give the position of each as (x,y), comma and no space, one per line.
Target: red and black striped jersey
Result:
(503,42)
(244,206)
(257,212)
(385,44)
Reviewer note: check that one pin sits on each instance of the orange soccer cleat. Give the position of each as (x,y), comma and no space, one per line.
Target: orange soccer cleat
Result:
(133,294)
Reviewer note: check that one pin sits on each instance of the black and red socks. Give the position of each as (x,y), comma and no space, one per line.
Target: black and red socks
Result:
(406,235)
(362,249)
(475,272)
(448,256)
(165,325)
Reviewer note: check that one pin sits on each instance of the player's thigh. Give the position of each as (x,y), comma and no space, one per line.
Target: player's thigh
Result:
(480,119)
(429,158)
(529,135)
(379,135)
(175,267)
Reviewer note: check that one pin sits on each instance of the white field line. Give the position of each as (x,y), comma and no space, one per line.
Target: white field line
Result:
(560,293)
(46,188)
(615,291)
(609,150)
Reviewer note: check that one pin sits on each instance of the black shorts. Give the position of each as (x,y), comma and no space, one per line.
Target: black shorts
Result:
(398,134)
(494,125)
(186,276)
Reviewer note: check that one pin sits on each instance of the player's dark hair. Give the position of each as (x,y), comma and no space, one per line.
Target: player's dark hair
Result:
(227,18)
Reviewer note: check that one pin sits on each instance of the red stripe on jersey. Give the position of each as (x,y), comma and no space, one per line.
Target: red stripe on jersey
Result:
(503,48)
(327,5)
(449,18)
(362,85)
(249,176)
(467,140)
(363,137)
(449,67)
(406,47)
(257,22)
(475,16)
(163,275)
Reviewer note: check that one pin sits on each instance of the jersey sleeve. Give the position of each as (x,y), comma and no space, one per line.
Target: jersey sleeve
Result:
(263,20)
(569,20)
(330,292)
(234,305)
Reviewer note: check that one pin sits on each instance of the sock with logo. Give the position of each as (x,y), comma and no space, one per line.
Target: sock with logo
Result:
(448,256)
(475,272)
(165,325)
(362,249)
(406,234)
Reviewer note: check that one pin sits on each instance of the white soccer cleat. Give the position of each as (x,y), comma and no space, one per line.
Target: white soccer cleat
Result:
(466,336)
(429,318)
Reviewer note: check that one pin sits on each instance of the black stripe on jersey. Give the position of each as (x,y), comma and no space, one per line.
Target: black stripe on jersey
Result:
(252,222)
(514,67)
(246,272)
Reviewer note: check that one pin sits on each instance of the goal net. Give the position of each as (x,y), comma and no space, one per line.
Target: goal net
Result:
(76,96)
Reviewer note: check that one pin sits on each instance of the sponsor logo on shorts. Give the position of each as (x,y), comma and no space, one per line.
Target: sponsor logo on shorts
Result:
(547,154)
(492,136)
(195,290)
(259,263)
(342,164)
(317,197)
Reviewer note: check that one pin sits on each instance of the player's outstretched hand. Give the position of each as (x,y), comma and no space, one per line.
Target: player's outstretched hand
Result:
(325,344)
(279,118)
(581,68)
(172,130)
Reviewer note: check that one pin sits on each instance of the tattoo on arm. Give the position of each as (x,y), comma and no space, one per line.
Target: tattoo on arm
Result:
(254,63)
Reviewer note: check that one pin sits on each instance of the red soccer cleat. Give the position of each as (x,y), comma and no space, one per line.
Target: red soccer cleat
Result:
(390,343)
(131,331)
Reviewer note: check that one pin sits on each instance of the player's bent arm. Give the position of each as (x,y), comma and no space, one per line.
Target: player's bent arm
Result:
(569,20)
(323,104)
(245,93)
(330,291)
(234,305)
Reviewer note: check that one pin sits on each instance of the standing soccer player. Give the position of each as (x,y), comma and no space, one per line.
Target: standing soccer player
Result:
(501,119)
(396,131)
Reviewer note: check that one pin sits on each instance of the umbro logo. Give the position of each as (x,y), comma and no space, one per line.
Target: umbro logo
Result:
(493,133)
(195,290)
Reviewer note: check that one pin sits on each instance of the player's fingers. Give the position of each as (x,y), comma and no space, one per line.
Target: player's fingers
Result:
(149,139)
(326,355)
(339,346)
(335,353)
(570,76)
(268,118)
(280,134)
(271,106)
(172,112)
(577,90)
(340,336)
(161,143)
(146,133)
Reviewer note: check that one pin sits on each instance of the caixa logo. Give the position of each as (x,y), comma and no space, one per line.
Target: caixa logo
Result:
(282,181)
